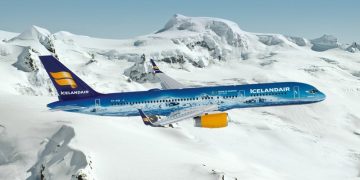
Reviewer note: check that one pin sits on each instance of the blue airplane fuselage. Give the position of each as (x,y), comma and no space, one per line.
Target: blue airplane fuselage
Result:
(163,102)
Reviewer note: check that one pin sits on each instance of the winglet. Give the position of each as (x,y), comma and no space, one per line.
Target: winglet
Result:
(145,118)
(155,67)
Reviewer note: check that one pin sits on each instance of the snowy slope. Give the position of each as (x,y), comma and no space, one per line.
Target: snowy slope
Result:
(316,141)
(5,35)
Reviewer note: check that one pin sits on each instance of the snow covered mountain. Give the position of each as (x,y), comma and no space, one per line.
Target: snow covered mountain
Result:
(317,141)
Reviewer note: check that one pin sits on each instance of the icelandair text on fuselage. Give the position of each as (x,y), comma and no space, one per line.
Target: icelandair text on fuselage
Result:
(270,90)
(73,92)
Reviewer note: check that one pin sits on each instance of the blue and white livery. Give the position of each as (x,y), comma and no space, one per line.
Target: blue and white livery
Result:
(174,100)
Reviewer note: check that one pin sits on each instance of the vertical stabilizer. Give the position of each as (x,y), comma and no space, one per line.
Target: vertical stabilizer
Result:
(67,84)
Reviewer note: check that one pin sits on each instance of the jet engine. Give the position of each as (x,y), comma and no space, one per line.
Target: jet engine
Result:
(212,120)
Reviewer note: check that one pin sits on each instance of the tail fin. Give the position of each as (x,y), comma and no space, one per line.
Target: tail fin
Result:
(67,84)
(155,67)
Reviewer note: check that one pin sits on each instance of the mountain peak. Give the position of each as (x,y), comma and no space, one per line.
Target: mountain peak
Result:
(180,22)
(326,38)
(33,33)
(179,16)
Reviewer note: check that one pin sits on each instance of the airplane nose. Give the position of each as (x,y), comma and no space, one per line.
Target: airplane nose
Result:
(322,96)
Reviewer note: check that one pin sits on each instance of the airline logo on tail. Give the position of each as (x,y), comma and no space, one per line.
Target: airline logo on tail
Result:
(64,78)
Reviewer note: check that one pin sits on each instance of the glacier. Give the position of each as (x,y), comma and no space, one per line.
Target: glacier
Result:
(317,141)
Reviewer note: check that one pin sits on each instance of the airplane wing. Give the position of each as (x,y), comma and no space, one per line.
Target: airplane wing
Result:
(177,116)
(166,81)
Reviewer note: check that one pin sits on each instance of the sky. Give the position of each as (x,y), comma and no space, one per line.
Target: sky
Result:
(121,19)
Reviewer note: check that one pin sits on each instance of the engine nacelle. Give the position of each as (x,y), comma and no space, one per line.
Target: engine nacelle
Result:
(212,120)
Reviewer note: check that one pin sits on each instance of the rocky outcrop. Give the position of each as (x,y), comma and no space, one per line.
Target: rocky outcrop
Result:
(59,161)
(354,47)
(26,60)
(139,71)
(324,43)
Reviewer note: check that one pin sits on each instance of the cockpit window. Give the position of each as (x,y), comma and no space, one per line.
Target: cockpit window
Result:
(313,91)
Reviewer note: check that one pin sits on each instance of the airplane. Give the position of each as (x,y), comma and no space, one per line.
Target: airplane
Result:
(206,105)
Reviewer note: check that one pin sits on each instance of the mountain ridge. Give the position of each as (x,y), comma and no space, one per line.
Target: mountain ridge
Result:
(314,141)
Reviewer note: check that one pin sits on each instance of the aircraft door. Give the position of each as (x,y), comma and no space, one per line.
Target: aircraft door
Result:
(241,94)
(296,92)
(97,105)
(241,97)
